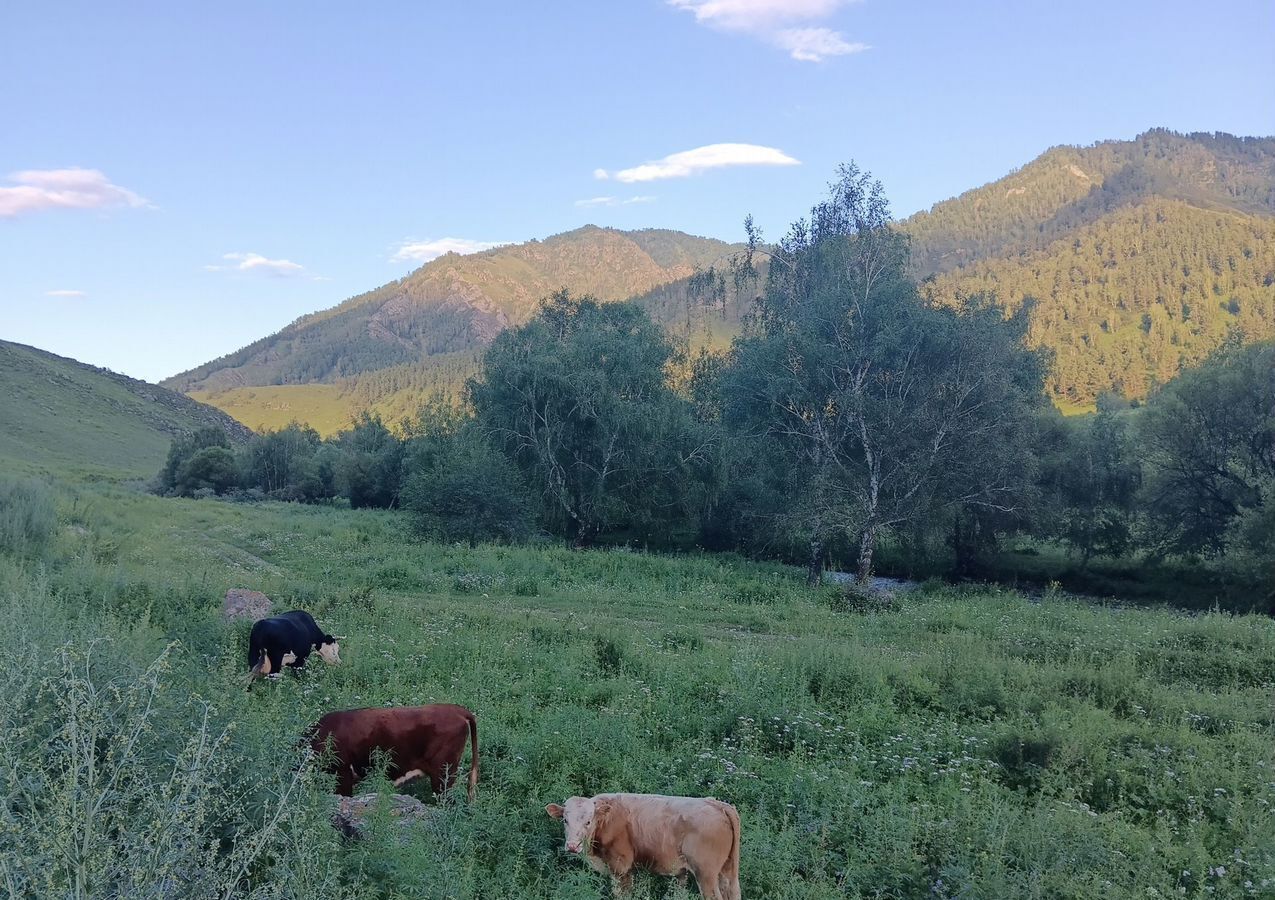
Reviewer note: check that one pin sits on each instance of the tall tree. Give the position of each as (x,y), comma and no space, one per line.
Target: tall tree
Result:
(887,408)
(578,398)
(1210,442)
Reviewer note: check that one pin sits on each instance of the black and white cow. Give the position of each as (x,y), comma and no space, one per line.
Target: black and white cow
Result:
(287,640)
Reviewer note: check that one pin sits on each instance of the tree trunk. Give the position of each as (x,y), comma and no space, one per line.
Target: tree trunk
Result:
(867,543)
(814,570)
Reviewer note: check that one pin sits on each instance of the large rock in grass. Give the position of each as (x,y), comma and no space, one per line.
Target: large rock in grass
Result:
(241,603)
(353,812)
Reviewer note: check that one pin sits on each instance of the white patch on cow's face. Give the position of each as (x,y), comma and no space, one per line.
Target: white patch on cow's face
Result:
(331,653)
(578,815)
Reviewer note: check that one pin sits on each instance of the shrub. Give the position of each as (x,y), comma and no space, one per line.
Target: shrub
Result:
(472,493)
(27,515)
(111,787)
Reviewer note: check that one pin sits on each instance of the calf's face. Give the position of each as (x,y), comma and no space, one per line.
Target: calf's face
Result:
(579,815)
(330,650)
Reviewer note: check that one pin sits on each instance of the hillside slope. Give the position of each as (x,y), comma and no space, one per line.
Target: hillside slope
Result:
(63,415)
(1141,256)
(455,304)
(1067,188)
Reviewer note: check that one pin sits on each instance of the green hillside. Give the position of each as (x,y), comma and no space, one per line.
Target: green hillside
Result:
(1129,301)
(63,415)
(455,304)
(1067,188)
(1142,256)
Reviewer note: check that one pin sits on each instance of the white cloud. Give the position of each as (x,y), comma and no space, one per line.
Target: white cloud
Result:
(69,294)
(614,201)
(35,190)
(424,251)
(600,174)
(815,44)
(257,264)
(769,20)
(702,159)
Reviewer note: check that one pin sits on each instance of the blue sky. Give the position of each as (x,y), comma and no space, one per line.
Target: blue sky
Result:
(181,179)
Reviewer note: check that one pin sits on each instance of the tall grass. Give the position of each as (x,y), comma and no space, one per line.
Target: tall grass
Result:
(27,515)
(967,743)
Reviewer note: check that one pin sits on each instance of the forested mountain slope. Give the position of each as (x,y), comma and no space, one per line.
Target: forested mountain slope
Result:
(1067,188)
(1141,256)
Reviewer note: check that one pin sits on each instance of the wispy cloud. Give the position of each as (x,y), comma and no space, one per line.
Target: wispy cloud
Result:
(614,201)
(256,264)
(35,190)
(424,251)
(700,160)
(68,294)
(815,44)
(773,21)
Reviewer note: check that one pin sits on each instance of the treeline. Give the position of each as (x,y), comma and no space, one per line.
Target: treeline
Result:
(850,413)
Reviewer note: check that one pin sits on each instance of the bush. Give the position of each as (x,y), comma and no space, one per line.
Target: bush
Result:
(27,516)
(210,469)
(115,781)
(472,493)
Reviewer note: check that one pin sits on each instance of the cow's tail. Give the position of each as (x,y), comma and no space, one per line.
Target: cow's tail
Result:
(473,754)
(728,881)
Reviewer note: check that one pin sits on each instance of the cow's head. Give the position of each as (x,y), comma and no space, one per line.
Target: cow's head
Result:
(581,816)
(330,649)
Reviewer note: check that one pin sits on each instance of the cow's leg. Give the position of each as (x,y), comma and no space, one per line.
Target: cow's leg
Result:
(728,884)
(346,779)
(621,884)
(706,879)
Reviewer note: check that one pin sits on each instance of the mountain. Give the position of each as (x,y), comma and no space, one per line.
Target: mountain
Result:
(456,304)
(1141,256)
(385,350)
(63,415)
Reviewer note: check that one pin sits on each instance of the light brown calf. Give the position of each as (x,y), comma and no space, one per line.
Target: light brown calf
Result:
(667,835)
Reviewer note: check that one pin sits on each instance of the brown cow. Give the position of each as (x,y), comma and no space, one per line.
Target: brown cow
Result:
(417,740)
(667,835)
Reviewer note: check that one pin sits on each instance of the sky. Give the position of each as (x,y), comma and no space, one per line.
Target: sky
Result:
(178,179)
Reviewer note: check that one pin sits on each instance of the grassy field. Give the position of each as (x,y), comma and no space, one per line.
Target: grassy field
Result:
(968,743)
(324,407)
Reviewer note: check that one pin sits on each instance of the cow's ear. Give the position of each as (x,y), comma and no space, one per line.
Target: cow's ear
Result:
(554,811)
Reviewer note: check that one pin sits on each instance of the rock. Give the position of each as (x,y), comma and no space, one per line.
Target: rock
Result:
(241,603)
(353,812)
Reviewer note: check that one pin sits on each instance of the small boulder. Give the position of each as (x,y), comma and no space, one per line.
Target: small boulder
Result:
(244,604)
(353,812)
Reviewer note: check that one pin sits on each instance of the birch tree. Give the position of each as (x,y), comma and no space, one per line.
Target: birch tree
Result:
(887,408)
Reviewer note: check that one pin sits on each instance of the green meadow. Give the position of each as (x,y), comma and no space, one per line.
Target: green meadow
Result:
(963,742)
